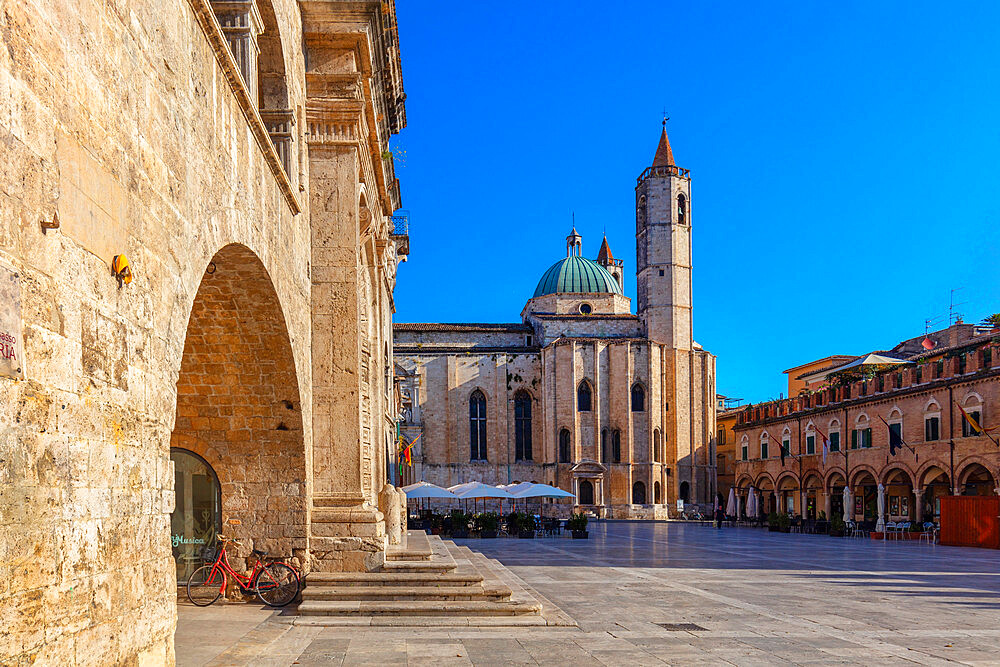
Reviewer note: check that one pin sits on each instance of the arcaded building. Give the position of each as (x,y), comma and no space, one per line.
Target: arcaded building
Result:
(235,154)
(616,407)
(921,389)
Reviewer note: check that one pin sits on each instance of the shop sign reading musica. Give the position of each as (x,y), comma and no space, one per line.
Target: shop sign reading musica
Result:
(11,349)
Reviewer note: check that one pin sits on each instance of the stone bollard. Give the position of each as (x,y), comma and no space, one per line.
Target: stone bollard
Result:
(403,514)
(388,504)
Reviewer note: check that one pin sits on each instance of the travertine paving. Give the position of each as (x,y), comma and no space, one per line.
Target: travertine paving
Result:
(762,598)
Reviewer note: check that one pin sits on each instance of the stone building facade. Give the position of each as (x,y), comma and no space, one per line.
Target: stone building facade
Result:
(236,153)
(921,399)
(616,407)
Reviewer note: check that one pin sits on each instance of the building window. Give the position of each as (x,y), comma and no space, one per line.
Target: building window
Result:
(583,397)
(586,308)
(932,429)
(661,273)
(657,454)
(197,515)
(722,436)
(786,446)
(564,446)
(605,449)
(638,493)
(616,446)
(638,398)
(861,438)
(681,209)
(810,444)
(939,369)
(745,450)
(656,493)
(586,493)
(918,374)
(897,430)
(477,426)
(522,426)
(528,340)
(987,357)
(967,430)
(834,441)
(763,448)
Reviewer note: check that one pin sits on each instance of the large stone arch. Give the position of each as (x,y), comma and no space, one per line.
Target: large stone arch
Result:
(930,470)
(859,470)
(239,404)
(897,467)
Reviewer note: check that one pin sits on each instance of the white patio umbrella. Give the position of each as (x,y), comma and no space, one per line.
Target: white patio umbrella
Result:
(529,490)
(880,524)
(426,490)
(752,503)
(848,508)
(731,508)
(478,490)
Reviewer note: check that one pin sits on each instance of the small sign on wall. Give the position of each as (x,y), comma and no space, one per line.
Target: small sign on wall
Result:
(11,349)
(680,505)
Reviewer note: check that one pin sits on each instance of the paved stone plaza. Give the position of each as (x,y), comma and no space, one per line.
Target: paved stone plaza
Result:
(762,599)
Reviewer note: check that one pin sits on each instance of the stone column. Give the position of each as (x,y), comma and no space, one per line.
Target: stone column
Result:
(348,533)
(918,504)
(388,504)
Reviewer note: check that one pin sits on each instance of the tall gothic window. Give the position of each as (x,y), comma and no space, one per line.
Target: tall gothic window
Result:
(657,454)
(681,209)
(638,398)
(564,446)
(616,446)
(477,426)
(522,426)
(605,449)
(583,397)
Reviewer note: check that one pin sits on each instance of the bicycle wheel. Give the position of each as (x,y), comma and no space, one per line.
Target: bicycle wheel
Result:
(204,587)
(277,585)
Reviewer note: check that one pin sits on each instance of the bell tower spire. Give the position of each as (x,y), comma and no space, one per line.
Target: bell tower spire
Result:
(663,248)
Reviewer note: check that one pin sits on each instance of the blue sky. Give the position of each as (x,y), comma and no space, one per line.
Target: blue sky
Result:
(844,162)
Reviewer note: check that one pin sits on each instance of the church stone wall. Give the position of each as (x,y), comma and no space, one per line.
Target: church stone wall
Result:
(118,118)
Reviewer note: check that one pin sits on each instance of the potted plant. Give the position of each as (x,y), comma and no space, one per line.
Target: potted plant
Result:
(486,524)
(577,523)
(525,526)
(784,523)
(836,526)
(459,524)
(772,523)
(435,522)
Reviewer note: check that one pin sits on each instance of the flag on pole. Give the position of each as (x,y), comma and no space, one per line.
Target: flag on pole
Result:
(895,439)
(781,447)
(976,428)
(826,443)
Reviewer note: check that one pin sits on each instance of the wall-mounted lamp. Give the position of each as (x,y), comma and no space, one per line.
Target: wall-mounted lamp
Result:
(121,270)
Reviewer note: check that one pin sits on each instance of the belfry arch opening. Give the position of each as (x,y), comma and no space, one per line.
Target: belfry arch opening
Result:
(238,405)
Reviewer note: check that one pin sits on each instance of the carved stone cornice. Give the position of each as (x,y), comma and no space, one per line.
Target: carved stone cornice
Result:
(217,40)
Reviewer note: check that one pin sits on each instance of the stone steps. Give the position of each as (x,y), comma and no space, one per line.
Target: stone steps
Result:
(433,578)
(363,593)
(461,608)
(424,582)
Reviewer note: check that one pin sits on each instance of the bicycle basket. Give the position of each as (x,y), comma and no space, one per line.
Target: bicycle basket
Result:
(209,554)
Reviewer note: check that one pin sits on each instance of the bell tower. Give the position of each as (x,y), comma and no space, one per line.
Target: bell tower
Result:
(663,249)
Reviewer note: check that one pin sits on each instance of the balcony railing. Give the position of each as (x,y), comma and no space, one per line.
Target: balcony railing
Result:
(666,170)
(401,232)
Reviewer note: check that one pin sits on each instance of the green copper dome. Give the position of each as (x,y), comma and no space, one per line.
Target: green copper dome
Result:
(577,274)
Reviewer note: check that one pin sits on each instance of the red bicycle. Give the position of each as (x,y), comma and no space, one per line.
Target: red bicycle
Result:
(275,583)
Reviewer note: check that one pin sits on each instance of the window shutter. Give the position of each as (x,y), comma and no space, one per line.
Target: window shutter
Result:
(868,437)
(854,438)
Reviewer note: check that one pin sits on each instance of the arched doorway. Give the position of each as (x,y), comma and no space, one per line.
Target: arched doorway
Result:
(685,492)
(638,493)
(935,483)
(865,492)
(835,494)
(898,496)
(976,480)
(197,516)
(586,492)
(238,404)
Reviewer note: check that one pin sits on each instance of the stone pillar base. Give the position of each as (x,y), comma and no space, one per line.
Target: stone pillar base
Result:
(347,539)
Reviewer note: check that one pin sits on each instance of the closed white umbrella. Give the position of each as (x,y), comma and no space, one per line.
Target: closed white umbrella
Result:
(426,490)
(880,523)
(752,503)
(731,508)
(848,510)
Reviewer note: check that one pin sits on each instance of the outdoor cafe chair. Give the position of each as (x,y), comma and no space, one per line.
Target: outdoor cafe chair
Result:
(890,530)
(902,527)
(930,532)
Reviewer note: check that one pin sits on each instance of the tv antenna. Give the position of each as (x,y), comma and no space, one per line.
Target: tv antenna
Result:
(953,315)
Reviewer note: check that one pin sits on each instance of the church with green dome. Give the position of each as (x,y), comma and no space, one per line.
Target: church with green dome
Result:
(614,406)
